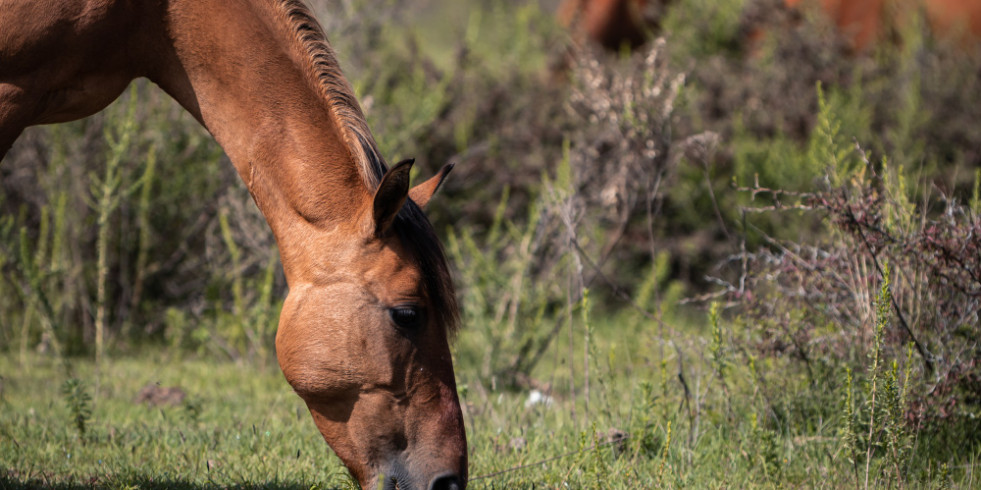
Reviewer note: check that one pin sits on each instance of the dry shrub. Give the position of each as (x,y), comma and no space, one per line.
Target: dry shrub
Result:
(593,218)
(624,151)
(622,148)
(815,302)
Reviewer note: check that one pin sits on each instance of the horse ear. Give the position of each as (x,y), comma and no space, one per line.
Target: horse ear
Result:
(391,195)
(421,193)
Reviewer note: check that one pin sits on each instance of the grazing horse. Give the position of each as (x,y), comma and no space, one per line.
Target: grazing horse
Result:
(865,21)
(363,332)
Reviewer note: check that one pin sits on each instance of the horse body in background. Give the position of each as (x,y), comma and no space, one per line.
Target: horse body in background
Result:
(611,23)
(363,334)
(864,22)
(616,23)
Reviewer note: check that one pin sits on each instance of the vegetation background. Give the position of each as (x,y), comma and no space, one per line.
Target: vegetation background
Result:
(740,255)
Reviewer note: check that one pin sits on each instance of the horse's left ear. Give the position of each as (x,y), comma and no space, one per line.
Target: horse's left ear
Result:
(421,193)
(391,195)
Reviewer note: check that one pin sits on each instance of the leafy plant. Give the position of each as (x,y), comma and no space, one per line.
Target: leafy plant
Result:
(79,404)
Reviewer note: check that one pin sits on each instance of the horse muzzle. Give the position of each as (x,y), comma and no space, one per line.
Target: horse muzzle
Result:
(399,477)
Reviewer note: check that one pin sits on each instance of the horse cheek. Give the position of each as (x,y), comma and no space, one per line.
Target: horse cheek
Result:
(309,346)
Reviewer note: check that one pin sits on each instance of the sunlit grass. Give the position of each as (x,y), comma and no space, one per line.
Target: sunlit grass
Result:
(238,425)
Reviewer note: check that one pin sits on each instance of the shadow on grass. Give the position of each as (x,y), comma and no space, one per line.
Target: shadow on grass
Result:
(8,482)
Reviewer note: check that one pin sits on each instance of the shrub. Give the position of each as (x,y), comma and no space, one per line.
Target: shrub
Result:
(594,218)
(890,294)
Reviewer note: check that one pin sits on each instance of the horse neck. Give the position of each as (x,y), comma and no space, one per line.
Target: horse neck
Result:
(245,79)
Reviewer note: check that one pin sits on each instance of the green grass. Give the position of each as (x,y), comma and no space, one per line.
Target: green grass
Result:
(240,425)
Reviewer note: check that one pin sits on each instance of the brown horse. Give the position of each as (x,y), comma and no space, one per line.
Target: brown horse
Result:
(610,23)
(363,332)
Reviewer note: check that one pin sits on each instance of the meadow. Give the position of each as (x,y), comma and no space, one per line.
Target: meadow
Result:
(718,261)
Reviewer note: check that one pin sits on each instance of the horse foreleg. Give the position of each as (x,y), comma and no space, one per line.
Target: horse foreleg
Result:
(6,141)
(11,117)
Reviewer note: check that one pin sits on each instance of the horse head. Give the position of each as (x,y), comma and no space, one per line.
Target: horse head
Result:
(365,343)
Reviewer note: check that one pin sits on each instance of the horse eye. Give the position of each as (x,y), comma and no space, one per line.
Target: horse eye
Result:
(407,317)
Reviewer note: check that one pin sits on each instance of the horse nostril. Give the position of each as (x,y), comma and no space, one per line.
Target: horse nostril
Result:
(446,482)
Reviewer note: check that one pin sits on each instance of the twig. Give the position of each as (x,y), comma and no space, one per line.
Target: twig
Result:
(899,313)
